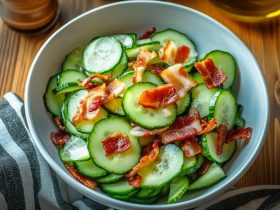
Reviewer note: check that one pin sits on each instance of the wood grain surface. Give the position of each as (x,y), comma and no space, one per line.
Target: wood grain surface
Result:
(18,50)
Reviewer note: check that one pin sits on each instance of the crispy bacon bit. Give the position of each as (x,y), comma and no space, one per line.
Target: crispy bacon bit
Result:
(90,183)
(171,136)
(191,147)
(87,82)
(168,53)
(95,104)
(148,156)
(148,33)
(213,77)
(156,68)
(221,138)
(58,121)
(204,168)
(182,83)
(135,180)
(207,127)
(138,131)
(60,137)
(114,89)
(116,143)
(141,63)
(182,54)
(239,134)
(160,96)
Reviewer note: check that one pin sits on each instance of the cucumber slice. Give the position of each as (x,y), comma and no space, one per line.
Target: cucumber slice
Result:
(73,104)
(111,178)
(214,174)
(134,51)
(70,76)
(143,41)
(223,108)
(197,77)
(69,126)
(148,76)
(178,187)
(74,60)
(225,62)
(118,188)
(102,54)
(115,107)
(201,97)
(189,164)
(120,68)
(125,197)
(209,145)
(66,88)
(90,169)
(128,40)
(199,161)
(147,193)
(183,104)
(167,165)
(149,200)
(239,121)
(53,102)
(75,149)
(139,115)
(119,163)
(179,39)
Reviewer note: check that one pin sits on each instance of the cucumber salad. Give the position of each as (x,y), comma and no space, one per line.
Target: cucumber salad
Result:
(143,118)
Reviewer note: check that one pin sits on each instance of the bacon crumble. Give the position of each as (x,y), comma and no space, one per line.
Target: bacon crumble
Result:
(116,143)
(60,137)
(221,138)
(239,134)
(135,180)
(191,147)
(148,33)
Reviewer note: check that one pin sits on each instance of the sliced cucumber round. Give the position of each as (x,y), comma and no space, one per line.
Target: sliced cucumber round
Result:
(111,178)
(66,88)
(189,164)
(118,188)
(139,115)
(189,170)
(75,149)
(225,62)
(179,39)
(52,101)
(201,97)
(74,60)
(134,51)
(183,104)
(115,107)
(70,76)
(118,163)
(128,40)
(102,54)
(89,169)
(209,145)
(167,165)
(214,174)
(147,193)
(178,187)
(223,107)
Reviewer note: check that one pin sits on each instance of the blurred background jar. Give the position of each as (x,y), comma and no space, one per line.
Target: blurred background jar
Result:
(249,10)
(29,15)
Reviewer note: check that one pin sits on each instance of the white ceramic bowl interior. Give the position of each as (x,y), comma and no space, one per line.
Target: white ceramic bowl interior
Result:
(137,16)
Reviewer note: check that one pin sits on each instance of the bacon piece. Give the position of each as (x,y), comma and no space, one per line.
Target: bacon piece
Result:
(139,131)
(168,53)
(116,143)
(90,183)
(87,82)
(58,121)
(114,89)
(191,147)
(148,33)
(208,126)
(141,63)
(156,68)
(157,97)
(148,156)
(212,76)
(182,54)
(239,134)
(221,138)
(204,168)
(60,137)
(176,76)
(135,180)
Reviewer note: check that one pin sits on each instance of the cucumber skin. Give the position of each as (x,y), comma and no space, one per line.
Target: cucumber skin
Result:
(86,174)
(103,180)
(182,192)
(109,191)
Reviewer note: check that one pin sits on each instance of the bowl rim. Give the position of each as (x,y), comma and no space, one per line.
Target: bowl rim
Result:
(122,204)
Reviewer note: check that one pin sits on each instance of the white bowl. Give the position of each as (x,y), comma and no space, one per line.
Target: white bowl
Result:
(137,16)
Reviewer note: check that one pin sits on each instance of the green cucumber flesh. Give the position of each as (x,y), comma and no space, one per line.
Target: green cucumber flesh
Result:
(199,161)
(118,163)
(127,40)
(143,41)
(189,164)
(239,121)
(225,62)
(134,51)
(183,104)
(214,174)
(209,145)
(74,60)
(53,102)
(70,76)
(118,188)
(197,77)
(179,39)
(115,107)
(166,166)
(147,193)
(75,149)
(139,115)
(178,187)
(67,87)
(110,178)
(102,54)
(89,169)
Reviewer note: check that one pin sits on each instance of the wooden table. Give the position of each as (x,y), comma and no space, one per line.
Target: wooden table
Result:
(18,50)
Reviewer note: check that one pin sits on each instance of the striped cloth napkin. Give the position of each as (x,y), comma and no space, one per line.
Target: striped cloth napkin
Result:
(26,181)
